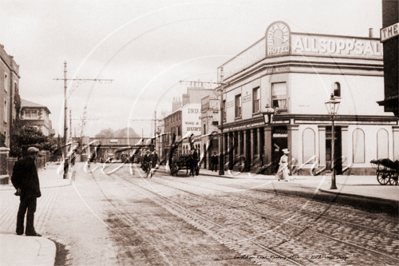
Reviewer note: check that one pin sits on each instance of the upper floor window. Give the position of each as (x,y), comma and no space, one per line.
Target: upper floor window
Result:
(256,100)
(238,106)
(30,114)
(5,82)
(224,110)
(337,89)
(5,111)
(33,114)
(279,95)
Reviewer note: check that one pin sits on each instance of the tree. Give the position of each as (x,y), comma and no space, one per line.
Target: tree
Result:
(105,133)
(120,133)
(26,137)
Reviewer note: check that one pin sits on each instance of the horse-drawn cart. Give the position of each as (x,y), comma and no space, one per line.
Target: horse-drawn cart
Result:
(387,171)
(189,161)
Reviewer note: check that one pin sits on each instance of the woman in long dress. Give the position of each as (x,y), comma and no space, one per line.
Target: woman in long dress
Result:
(282,172)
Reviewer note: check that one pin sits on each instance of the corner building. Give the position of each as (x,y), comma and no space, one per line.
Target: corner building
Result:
(295,73)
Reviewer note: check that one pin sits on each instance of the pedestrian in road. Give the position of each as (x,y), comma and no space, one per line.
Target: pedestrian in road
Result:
(283,171)
(214,162)
(26,181)
(154,162)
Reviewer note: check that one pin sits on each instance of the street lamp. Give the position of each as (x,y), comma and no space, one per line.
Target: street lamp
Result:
(267,114)
(332,107)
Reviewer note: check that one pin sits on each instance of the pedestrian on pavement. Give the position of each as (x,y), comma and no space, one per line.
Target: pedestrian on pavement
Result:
(214,162)
(26,180)
(282,172)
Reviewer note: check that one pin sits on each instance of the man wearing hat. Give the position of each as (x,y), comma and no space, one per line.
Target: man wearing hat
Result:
(25,179)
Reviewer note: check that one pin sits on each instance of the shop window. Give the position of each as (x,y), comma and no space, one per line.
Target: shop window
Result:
(256,100)
(5,82)
(279,95)
(308,144)
(358,146)
(382,144)
(337,89)
(238,106)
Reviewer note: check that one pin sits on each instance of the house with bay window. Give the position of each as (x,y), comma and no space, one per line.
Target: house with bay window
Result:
(37,116)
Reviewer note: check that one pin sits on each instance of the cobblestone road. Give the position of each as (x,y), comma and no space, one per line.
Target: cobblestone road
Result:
(124,219)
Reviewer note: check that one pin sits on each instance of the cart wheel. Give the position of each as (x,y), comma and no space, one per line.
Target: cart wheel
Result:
(174,169)
(383,178)
(393,180)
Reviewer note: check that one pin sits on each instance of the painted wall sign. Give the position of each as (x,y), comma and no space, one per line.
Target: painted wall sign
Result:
(389,32)
(277,69)
(277,39)
(229,104)
(247,98)
(335,46)
(248,57)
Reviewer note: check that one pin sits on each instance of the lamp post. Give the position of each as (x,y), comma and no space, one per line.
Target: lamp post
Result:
(332,107)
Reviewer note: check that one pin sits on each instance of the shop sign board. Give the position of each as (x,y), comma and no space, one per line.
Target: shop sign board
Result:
(304,44)
(389,32)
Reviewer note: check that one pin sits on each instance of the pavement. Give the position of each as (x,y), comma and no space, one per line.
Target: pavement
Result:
(42,250)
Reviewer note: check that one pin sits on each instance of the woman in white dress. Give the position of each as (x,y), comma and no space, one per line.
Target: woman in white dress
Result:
(282,172)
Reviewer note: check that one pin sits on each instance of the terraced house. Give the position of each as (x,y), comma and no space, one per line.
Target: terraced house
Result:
(296,73)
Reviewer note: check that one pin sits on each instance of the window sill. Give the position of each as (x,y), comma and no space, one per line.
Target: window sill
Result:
(237,118)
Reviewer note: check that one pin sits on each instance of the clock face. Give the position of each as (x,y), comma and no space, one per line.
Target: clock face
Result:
(278,39)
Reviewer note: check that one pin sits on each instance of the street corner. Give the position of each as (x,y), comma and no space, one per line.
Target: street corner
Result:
(36,250)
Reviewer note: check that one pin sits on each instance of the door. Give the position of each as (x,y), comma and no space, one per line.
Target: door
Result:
(337,148)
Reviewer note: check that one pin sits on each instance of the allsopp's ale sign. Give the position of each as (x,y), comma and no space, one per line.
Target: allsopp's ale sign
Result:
(335,46)
(278,39)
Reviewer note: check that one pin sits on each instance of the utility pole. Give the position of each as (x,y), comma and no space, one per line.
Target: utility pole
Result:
(65,79)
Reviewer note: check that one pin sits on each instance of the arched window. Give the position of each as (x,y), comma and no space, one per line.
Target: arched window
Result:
(358,146)
(308,144)
(337,89)
(382,144)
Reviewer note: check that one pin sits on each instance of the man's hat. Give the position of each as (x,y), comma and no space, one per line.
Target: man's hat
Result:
(286,151)
(33,150)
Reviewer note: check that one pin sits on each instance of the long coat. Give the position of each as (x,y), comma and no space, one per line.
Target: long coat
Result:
(25,177)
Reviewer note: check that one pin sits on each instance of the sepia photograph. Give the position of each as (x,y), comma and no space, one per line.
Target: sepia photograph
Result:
(199,132)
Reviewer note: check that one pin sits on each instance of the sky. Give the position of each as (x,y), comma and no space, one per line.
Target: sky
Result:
(146,48)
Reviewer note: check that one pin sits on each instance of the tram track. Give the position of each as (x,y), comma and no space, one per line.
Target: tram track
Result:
(230,239)
(279,221)
(321,215)
(119,226)
(134,228)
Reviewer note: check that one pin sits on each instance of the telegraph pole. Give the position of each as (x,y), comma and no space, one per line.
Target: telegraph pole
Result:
(65,79)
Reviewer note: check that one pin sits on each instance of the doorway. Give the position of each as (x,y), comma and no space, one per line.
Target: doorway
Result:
(279,142)
(337,148)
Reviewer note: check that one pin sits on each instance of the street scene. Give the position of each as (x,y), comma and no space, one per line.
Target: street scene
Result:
(199,132)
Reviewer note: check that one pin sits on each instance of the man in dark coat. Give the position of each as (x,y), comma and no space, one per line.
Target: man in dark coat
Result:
(26,181)
(214,162)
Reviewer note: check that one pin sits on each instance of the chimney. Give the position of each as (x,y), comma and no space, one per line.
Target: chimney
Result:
(370,32)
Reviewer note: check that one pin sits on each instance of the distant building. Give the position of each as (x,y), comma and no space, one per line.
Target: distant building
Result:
(390,40)
(185,117)
(9,95)
(37,116)
(210,117)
